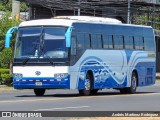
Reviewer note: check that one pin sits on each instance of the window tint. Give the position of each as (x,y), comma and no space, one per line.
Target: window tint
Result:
(137,43)
(87,40)
(141,43)
(94,42)
(118,42)
(99,39)
(105,41)
(129,43)
(80,41)
(110,41)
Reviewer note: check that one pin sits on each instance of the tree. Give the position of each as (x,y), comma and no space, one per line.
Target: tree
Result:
(6,54)
(6,5)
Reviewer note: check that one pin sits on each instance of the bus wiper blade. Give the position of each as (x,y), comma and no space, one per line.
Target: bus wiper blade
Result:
(26,60)
(52,63)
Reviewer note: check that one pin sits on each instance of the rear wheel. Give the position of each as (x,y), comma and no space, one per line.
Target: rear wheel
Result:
(133,87)
(87,89)
(39,92)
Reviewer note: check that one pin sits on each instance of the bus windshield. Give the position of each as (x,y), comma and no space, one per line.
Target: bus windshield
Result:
(41,42)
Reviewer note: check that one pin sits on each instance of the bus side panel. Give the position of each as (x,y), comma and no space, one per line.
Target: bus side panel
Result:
(109,68)
(113,68)
(144,65)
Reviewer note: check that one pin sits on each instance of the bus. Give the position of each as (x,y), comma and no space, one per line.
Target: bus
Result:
(83,53)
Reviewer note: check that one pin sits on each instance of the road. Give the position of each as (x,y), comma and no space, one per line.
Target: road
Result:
(146,99)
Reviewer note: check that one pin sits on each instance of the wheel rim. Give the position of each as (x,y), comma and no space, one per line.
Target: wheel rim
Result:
(134,82)
(87,82)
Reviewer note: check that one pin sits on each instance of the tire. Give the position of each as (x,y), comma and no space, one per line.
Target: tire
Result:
(94,91)
(87,89)
(39,92)
(132,88)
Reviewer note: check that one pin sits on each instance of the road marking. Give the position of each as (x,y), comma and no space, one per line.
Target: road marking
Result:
(15,101)
(79,97)
(62,108)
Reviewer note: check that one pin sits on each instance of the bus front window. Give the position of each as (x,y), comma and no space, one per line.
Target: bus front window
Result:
(54,42)
(41,42)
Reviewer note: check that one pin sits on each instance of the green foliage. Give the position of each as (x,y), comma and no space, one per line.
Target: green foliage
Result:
(23,7)
(4,71)
(5,77)
(8,6)
(6,54)
(6,58)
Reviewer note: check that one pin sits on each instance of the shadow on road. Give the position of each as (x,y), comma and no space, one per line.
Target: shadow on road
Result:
(68,95)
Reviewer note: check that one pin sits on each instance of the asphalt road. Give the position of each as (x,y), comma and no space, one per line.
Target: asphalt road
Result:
(146,99)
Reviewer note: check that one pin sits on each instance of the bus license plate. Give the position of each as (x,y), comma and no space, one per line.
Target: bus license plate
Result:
(38,83)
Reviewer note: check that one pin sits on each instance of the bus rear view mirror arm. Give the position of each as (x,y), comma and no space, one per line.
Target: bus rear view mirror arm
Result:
(9,35)
(68,36)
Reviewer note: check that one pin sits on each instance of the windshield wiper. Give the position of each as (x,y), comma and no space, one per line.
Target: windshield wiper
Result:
(29,56)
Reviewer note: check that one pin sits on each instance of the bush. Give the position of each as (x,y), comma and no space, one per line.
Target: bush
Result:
(4,71)
(5,77)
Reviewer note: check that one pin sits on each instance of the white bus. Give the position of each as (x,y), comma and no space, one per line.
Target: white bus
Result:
(84,53)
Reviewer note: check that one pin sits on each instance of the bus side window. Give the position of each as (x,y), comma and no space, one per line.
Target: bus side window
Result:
(80,41)
(105,41)
(118,42)
(121,41)
(129,43)
(99,39)
(110,41)
(137,45)
(87,40)
(141,43)
(73,45)
(94,41)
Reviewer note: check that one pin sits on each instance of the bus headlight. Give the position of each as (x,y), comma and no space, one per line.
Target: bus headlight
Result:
(18,75)
(60,75)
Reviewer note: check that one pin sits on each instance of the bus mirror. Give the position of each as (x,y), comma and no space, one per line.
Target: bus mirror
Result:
(7,40)
(9,35)
(73,46)
(68,36)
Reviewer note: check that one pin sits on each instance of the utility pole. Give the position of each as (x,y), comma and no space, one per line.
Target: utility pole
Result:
(79,10)
(128,16)
(15,9)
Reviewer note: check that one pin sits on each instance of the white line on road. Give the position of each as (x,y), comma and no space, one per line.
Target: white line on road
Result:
(62,108)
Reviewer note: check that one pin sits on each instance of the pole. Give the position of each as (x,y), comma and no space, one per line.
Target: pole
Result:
(15,9)
(79,10)
(128,16)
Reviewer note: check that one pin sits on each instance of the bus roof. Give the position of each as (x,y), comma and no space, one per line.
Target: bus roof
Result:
(69,20)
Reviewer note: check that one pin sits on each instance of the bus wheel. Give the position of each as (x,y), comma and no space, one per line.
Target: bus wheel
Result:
(133,87)
(39,92)
(94,91)
(87,88)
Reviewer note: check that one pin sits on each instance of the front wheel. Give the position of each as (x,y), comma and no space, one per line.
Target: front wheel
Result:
(87,89)
(39,92)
